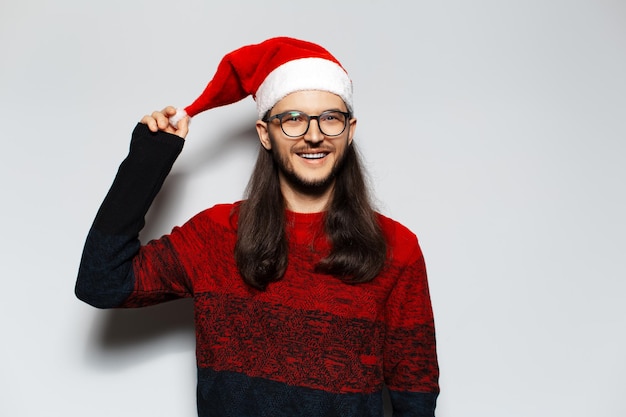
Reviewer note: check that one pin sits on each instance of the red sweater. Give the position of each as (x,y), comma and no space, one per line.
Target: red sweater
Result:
(309,345)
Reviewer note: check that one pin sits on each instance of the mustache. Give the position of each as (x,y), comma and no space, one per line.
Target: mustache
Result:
(313,149)
(323,146)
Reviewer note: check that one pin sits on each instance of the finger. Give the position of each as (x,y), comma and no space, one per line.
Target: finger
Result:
(150,122)
(169,111)
(161,119)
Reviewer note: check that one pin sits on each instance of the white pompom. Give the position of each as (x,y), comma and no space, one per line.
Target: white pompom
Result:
(180,115)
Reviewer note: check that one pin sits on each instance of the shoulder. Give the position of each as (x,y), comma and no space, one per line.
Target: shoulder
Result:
(395,231)
(220,215)
(403,243)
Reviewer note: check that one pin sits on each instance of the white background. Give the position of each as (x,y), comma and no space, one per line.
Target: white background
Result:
(495,130)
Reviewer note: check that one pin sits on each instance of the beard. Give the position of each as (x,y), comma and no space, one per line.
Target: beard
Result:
(306,185)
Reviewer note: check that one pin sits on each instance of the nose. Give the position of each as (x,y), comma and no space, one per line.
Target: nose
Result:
(314,134)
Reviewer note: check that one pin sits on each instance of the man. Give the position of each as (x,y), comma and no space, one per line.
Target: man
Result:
(307,301)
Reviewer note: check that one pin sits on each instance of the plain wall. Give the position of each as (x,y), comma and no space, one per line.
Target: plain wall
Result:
(495,130)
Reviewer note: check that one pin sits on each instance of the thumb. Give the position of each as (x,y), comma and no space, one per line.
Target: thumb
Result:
(182,127)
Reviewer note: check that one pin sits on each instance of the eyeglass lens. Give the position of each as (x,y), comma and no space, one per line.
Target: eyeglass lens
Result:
(295,123)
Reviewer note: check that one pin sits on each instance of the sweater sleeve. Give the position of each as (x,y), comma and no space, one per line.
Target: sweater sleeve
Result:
(105,276)
(410,358)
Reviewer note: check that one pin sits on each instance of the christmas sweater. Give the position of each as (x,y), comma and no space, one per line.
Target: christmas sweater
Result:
(308,345)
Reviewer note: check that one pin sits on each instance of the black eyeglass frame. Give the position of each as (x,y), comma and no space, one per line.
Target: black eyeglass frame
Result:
(279,116)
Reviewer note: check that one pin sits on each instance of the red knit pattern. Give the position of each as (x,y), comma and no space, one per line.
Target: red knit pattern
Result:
(309,330)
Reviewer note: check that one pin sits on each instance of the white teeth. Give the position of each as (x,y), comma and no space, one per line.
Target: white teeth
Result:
(313,155)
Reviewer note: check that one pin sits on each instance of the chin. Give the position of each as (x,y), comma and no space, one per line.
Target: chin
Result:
(312,185)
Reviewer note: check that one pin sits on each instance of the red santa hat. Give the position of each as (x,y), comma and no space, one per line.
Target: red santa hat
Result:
(269,71)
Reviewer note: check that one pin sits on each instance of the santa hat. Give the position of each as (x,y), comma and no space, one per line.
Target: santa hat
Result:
(269,71)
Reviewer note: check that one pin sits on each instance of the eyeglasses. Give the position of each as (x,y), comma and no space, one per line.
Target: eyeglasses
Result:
(296,123)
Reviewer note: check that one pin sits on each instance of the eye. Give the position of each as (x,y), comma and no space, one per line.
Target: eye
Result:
(293,117)
(332,116)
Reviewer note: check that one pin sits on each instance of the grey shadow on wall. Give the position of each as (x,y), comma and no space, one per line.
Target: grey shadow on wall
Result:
(122,338)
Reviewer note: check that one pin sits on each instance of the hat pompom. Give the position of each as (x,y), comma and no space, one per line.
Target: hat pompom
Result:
(180,115)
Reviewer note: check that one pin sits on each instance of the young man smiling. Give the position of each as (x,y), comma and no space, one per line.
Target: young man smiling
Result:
(309,162)
(307,301)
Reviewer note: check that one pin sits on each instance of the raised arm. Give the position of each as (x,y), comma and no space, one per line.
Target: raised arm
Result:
(105,277)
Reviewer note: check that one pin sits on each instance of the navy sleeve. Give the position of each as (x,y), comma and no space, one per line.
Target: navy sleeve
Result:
(105,276)
(413,404)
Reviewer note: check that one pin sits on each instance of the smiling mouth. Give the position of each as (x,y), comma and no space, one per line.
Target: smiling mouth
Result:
(318,155)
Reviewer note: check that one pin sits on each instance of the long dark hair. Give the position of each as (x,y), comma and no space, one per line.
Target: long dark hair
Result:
(358,246)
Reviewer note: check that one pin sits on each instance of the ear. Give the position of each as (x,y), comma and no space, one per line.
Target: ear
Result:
(351,130)
(264,137)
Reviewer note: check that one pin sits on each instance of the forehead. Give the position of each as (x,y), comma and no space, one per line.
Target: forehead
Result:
(310,101)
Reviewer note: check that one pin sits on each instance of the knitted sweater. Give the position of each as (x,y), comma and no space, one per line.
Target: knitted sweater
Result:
(309,345)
